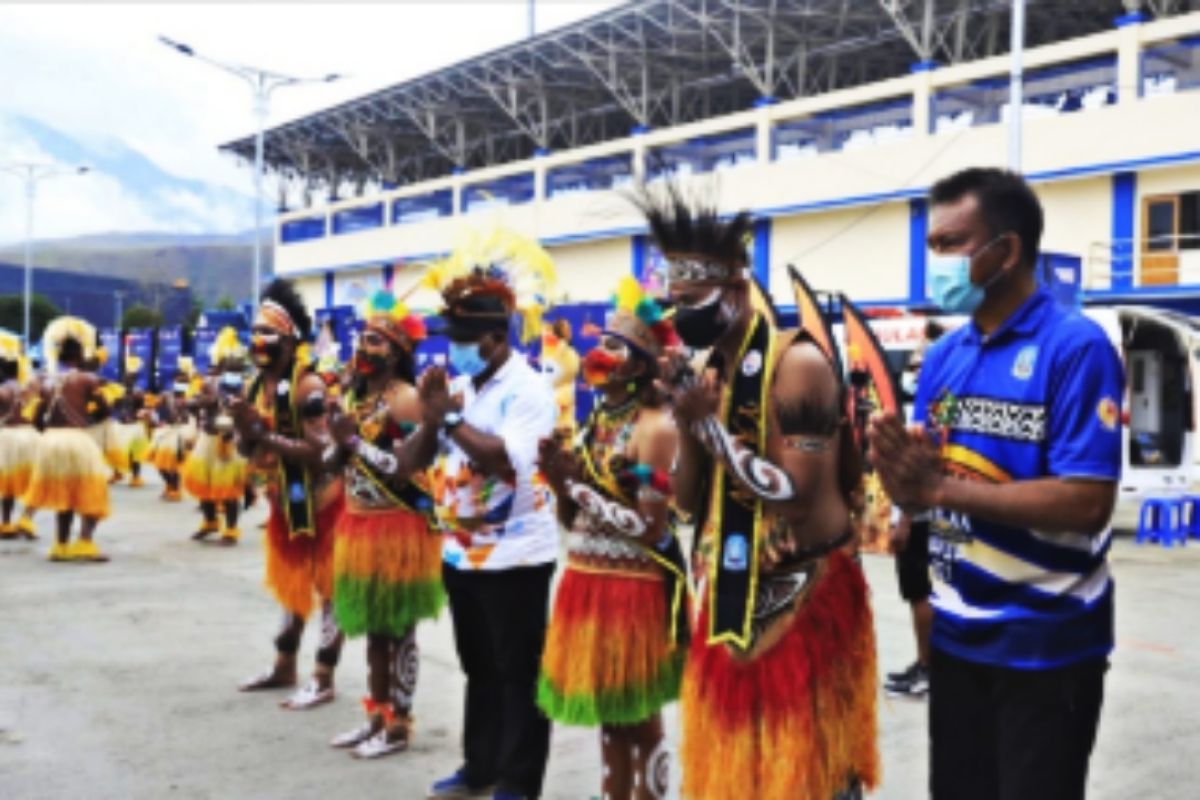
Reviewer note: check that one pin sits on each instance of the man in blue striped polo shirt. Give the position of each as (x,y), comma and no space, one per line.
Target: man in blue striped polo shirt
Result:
(1016,452)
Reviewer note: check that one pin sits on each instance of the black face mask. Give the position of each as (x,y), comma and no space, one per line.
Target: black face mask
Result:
(701,326)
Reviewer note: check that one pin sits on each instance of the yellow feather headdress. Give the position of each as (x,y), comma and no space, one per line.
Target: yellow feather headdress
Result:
(62,329)
(226,345)
(502,256)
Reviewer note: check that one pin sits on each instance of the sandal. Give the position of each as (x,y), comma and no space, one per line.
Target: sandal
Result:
(353,738)
(380,745)
(308,696)
(267,679)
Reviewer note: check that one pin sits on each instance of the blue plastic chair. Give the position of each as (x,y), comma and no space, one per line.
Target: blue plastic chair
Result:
(1191,515)
(1161,521)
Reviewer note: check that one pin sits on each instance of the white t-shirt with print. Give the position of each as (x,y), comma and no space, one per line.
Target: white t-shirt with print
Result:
(520,527)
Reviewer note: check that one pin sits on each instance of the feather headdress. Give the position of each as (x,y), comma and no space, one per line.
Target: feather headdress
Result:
(509,272)
(60,330)
(639,319)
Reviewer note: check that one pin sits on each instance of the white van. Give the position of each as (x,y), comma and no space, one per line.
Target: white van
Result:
(1161,354)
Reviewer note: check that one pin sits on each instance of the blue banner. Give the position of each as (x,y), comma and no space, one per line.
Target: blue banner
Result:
(170,346)
(138,343)
(110,340)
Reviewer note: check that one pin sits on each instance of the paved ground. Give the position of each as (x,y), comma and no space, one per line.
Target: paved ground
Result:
(117,681)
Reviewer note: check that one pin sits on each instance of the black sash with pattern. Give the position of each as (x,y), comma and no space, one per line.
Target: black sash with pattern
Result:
(292,480)
(410,496)
(670,559)
(738,514)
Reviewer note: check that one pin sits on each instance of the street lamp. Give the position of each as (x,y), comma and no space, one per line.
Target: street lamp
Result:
(32,173)
(262,83)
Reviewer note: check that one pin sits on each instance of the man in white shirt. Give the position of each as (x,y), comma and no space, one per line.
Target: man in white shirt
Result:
(480,436)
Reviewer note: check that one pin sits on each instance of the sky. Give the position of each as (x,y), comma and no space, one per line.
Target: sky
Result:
(98,73)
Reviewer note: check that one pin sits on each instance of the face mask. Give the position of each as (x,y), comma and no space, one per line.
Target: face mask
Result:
(599,366)
(908,382)
(465,358)
(950,281)
(699,326)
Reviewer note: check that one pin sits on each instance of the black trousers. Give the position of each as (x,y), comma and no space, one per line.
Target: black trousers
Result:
(500,630)
(912,565)
(1008,734)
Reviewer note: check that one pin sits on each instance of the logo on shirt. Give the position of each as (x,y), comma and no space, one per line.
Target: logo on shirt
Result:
(1108,413)
(1023,367)
(752,363)
(735,558)
(1019,421)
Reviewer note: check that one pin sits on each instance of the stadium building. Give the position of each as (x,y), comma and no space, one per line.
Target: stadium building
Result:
(829,119)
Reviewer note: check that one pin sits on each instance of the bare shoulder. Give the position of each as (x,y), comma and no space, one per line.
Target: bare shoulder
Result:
(404,404)
(803,367)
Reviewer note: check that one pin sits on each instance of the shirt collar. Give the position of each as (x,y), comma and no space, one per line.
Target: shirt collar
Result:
(1025,320)
(501,374)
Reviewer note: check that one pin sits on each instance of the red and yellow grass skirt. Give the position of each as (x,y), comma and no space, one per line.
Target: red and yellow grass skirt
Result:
(69,474)
(300,566)
(798,721)
(18,451)
(609,658)
(387,571)
(213,471)
(166,449)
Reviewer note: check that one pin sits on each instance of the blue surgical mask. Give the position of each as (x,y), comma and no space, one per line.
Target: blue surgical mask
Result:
(465,358)
(950,286)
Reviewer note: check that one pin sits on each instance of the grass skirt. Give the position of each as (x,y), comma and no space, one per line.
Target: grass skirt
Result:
(18,451)
(69,474)
(166,449)
(299,567)
(795,722)
(387,572)
(609,658)
(213,471)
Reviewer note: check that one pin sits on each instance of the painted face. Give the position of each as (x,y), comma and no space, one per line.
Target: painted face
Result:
(266,345)
(605,363)
(371,357)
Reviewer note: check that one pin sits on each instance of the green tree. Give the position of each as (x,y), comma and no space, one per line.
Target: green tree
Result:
(139,316)
(41,311)
(193,317)
(225,304)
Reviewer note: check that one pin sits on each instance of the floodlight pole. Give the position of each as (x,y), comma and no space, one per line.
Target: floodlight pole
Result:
(262,84)
(1016,87)
(31,174)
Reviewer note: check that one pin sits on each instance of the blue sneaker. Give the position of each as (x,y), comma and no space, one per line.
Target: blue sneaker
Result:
(456,788)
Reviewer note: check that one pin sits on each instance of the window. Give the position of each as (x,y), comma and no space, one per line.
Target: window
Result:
(1189,221)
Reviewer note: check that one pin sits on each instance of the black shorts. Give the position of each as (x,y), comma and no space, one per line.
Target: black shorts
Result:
(912,564)
(998,733)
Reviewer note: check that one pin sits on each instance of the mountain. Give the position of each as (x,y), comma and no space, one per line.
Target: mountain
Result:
(147,224)
(125,190)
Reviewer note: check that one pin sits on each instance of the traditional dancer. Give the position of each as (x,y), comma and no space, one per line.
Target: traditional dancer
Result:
(214,472)
(616,643)
(129,414)
(387,563)
(283,427)
(778,697)
(18,441)
(69,475)
(560,365)
(167,445)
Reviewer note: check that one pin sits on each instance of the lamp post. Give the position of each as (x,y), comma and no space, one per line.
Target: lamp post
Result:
(31,173)
(262,84)
(1016,87)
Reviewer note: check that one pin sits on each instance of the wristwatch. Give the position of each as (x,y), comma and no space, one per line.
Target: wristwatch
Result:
(451,420)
